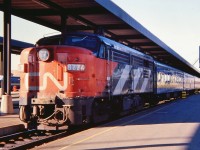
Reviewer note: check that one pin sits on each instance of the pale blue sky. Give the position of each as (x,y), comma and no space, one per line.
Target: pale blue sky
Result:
(175,22)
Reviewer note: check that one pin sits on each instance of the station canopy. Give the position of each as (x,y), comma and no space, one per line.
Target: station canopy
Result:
(102,17)
(16,46)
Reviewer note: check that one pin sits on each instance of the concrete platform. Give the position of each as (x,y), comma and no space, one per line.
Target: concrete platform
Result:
(10,124)
(173,126)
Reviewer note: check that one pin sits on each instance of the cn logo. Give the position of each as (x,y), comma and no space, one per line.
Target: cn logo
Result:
(43,86)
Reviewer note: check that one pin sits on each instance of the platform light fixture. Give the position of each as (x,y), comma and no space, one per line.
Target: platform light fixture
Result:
(80,22)
(41,3)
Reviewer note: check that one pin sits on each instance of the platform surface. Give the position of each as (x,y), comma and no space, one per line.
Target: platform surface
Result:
(172,126)
(10,123)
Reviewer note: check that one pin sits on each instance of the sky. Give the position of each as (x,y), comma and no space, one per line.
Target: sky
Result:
(175,22)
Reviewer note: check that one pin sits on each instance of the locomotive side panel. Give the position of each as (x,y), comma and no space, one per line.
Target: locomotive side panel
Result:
(120,75)
(134,71)
(142,75)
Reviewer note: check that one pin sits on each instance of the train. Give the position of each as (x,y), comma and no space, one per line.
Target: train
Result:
(81,78)
(15,83)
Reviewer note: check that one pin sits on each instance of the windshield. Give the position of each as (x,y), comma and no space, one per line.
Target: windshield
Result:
(88,42)
(85,41)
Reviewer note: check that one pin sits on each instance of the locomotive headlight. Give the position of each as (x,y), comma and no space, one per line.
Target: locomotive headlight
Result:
(43,54)
(75,67)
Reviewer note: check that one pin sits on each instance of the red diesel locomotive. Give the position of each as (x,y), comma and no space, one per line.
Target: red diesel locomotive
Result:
(78,78)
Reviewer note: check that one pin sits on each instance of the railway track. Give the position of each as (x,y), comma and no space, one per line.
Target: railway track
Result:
(29,139)
(32,138)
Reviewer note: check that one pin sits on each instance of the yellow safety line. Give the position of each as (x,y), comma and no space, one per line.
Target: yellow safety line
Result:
(88,138)
(111,128)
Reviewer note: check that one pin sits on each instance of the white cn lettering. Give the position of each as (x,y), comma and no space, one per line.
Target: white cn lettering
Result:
(43,86)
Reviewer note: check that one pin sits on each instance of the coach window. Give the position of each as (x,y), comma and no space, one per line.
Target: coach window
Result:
(102,51)
(159,76)
(163,78)
(177,79)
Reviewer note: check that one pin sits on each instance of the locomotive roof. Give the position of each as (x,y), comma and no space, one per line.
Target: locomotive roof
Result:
(124,48)
(99,15)
(112,43)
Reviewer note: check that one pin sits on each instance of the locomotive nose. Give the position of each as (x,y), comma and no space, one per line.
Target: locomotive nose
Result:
(51,78)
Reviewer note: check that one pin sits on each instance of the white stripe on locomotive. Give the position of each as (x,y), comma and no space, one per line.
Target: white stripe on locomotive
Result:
(145,83)
(44,84)
(123,78)
(138,75)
